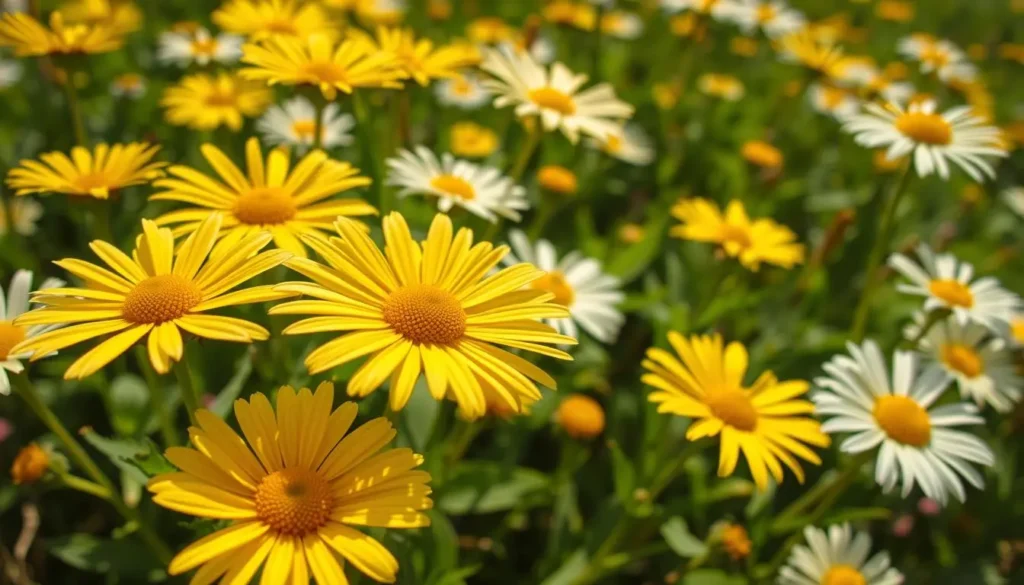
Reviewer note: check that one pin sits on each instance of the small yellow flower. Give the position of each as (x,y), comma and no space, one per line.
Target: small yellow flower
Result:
(490,30)
(666,95)
(206,102)
(631,233)
(762,154)
(1012,52)
(686,25)
(752,242)
(122,16)
(821,56)
(472,140)
(895,10)
(744,46)
(721,86)
(29,37)
(261,19)
(90,174)
(972,193)
(420,59)
(580,416)
(558,179)
(440,10)
(568,13)
(30,464)
(736,541)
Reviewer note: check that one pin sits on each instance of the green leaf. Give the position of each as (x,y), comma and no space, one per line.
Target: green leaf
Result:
(458,576)
(760,501)
(128,400)
(126,558)
(679,538)
(445,554)
(420,414)
(623,474)
(222,405)
(712,577)
(140,460)
(728,489)
(482,487)
(572,568)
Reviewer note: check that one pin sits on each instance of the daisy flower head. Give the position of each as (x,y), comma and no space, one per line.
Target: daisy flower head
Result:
(293,124)
(86,173)
(751,241)
(122,16)
(822,56)
(321,63)
(293,488)
(261,19)
(630,144)
(947,283)
(465,91)
(620,24)
(30,38)
(19,216)
(183,48)
(703,379)
(479,189)
(426,307)
(721,85)
(553,95)
(539,46)
(12,306)
(207,102)
(917,441)
(837,557)
(833,100)
(577,283)
(934,140)
(939,56)
(156,292)
(420,59)
(875,83)
(288,202)
(472,140)
(976,359)
(774,17)
(129,86)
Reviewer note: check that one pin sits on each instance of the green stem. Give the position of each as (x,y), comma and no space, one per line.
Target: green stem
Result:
(157,397)
(595,69)
(318,124)
(85,486)
(99,216)
(81,458)
(545,212)
(189,395)
(372,162)
(459,441)
(533,137)
(934,316)
(885,227)
(821,497)
(75,108)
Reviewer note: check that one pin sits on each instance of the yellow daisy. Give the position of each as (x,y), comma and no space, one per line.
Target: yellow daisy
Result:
(420,59)
(319,62)
(122,16)
(821,56)
(270,198)
(29,37)
(157,292)
(751,241)
(292,490)
(205,102)
(765,420)
(89,174)
(260,19)
(426,307)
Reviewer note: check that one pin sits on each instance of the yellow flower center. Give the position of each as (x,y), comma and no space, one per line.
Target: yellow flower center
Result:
(962,358)
(222,97)
(92,181)
(733,408)
(462,87)
(766,13)
(160,298)
(736,541)
(925,128)
(294,501)
(557,179)
(304,129)
(903,420)
(265,206)
(554,282)
(1017,329)
(129,81)
(282,26)
(10,335)
(424,313)
(952,292)
(613,144)
(843,575)
(552,99)
(324,72)
(735,234)
(833,97)
(935,55)
(204,47)
(454,186)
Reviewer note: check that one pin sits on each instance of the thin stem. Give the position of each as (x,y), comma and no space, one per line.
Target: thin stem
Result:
(318,124)
(885,227)
(85,486)
(533,136)
(372,162)
(75,108)
(595,69)
(158,398)
(189,395)
(545,212)
(81,458)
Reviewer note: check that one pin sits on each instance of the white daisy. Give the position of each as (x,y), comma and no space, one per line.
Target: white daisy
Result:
(918,443)
(774,17)
(577,283)
(16,303)
(464,92)
(293,123)
(629,144)
(10,72)
(975,358)
(542,48)
(129,86)
(24,212)
(832,100)
(718,9)
(875,83)
(945,282)
(553,95)
(939,56)
(837,557)
(185,48)
(935,140)
(1013,197)
(620,24)
(482,190)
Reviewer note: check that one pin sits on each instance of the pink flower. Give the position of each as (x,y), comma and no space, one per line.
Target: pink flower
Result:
(928,507)
(903,526)
(6,429)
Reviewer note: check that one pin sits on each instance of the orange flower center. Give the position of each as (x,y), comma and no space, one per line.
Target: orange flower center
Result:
(454,186)
(733,408)
(554,282)
(766,13)
(903,420)
(222,97)
(613,144)
(736,234)
(935,55)
(304,129)
(265,206)
(962,358)
(553,99)
(324,72)
(160,298)
(10,335)
(424,313)
(952,292)
(925,128)
(282,26)
(557,179)
(205,47)
(462,87)
(294,501)
(736,541)
(843,575)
